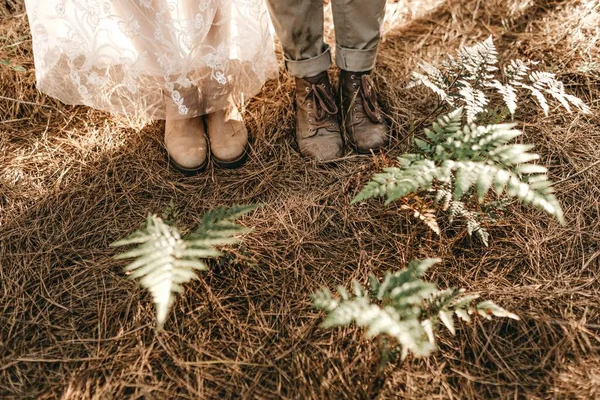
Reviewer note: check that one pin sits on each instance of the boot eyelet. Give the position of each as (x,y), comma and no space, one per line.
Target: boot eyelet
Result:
(307,89)
(356,109)
(310,121)
(354,85)
(352,77)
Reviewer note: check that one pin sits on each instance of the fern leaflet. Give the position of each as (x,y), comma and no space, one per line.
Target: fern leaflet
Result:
(164,260)
(404,307)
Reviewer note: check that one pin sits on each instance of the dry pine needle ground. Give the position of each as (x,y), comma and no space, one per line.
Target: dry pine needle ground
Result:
(73,180)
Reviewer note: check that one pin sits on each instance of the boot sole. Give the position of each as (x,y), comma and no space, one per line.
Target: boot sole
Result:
(188,171)
(231,164)
(375,150)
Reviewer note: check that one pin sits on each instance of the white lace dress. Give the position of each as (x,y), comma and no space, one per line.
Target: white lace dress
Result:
(146,58)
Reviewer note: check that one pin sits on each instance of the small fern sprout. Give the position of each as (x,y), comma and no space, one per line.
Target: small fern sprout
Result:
(422,213)
(458,210)
(403,307)
(164,260)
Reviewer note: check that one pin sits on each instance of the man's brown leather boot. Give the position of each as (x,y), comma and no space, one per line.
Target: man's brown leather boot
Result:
(361,116)
(317,128)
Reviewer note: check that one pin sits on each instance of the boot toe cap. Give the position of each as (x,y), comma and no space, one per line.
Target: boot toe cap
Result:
(228,136)
(229,153)
(186,143)
(374,138)
(323,149)
(189,157)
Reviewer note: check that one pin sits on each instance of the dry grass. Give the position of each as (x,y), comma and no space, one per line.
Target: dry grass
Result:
(73,180)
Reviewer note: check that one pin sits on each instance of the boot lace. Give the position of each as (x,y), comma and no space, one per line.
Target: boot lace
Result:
(325,108)
(367,98)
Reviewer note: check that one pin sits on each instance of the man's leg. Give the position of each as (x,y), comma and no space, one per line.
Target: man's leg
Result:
(358,32)
(299,26)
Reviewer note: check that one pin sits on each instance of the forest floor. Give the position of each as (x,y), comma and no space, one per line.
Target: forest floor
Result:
(73,180)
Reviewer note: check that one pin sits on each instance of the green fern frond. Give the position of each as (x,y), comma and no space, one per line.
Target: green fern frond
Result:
(443,197)
(474,77)
(457,210)
(474,99)
(480,61)
(404,307)
(472,158)
(217,226)
(164,261)
(432,78)
(508,93)
(394,183)
(416,269)
(516,71)
(546,82)
(535,190)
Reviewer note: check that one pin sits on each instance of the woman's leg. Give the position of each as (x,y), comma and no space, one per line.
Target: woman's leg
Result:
(185,138)
(226,130)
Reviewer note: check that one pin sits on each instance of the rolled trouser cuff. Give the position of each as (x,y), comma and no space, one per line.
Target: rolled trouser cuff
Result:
(310,66)
(355,60)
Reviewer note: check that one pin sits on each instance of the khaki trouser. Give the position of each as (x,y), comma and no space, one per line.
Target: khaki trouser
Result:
(299,25)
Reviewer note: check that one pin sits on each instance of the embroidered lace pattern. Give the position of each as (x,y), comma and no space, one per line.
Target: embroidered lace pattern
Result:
(151,58)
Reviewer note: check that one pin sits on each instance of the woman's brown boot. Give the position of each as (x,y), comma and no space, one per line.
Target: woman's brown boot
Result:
(186,144)
(185,139)
(228,138)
